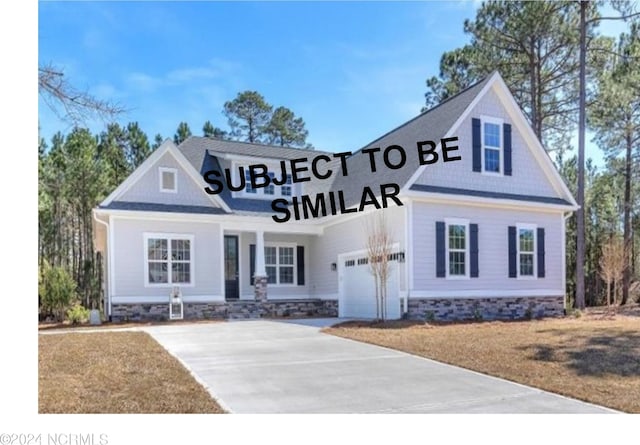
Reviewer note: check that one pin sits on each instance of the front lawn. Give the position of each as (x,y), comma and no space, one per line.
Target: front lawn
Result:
(595,358)
(114,372)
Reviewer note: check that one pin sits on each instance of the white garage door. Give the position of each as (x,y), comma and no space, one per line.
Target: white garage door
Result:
(357,288)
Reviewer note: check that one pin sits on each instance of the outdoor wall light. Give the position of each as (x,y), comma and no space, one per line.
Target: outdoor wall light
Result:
(334,267)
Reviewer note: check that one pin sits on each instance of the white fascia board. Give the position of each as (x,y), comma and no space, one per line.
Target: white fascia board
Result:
(147,164)
(532,141)
(523,127)
(452,130)
(230,222)
(186,166)
(446,198)
(139,172)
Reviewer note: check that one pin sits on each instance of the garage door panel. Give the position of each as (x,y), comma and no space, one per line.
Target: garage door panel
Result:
(357,298)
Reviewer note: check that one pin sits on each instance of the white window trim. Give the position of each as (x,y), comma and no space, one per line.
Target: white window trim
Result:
(260,192)
(457,222)
(161,171)
(499,122)
(294,265)
(534,228)
(168,237)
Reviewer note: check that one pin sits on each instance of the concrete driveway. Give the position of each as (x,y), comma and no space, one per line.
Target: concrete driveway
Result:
(290,367)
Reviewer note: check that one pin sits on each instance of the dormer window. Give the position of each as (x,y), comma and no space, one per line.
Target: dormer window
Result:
(168,180)
(492,146)
(248,188)
(269,192)
(285,190)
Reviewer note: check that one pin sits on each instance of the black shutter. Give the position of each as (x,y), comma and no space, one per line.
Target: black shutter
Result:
(300,254)
(440,250)
(513,252)
(252,262)
(474,250)
(476,145)
(506,129)
(540,253)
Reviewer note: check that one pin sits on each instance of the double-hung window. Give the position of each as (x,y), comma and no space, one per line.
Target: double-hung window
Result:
(280,264)
(526,251)
(168,259)
(492,145)
(457,245)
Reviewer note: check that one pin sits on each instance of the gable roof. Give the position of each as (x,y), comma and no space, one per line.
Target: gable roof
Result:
(433,124)
(194,149)
(166,147)
(204,154)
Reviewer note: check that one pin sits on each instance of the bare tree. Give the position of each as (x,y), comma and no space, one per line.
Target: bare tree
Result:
(378,252)
(612,265)
(70,103)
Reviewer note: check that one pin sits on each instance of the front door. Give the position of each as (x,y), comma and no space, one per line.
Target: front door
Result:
(231,282)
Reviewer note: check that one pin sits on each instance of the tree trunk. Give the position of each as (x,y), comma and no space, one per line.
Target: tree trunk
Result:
(581,135)
(626,278)
(534,89)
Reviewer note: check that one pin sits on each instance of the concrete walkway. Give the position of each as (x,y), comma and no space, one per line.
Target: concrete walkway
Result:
(290,367)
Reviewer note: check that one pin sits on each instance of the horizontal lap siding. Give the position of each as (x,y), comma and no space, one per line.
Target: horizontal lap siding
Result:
(527,178)
(493,248)
(346,237)
(147,188)
(129,257)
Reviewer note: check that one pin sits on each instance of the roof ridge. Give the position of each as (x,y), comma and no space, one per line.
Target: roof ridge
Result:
(424,113)
(256,144)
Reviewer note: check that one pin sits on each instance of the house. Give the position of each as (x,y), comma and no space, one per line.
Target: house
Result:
(483,236)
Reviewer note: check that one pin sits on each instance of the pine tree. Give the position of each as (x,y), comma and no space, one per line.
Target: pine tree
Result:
(248,115)
(211,131)
(285,129)
(182,133)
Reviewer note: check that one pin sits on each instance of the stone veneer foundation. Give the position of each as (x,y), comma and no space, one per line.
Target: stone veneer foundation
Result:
(502,308)
(228,310)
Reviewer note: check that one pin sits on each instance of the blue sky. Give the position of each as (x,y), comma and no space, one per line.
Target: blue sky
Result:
(353,71)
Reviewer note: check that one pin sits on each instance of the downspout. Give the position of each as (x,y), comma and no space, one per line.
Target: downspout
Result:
(106,226)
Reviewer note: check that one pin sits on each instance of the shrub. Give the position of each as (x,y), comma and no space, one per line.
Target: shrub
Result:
(78,314)
(57,289)
(429,316)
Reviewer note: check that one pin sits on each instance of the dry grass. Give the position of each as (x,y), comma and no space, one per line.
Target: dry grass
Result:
(595,358)
(47,326)
(114,372)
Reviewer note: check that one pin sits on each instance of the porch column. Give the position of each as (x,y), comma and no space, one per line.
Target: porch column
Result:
(260,277)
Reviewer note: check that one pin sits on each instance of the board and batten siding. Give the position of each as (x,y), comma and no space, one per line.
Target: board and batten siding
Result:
(147,188)
(528,177)
(129,260)
(275,292)
(345,237)
(493,246)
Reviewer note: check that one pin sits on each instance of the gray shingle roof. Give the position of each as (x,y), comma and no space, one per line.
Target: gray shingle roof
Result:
(431,125)
(483,194)
(195,147)
(170,208)
(206,154)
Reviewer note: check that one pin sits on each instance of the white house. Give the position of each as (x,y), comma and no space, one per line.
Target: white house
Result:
(480,236)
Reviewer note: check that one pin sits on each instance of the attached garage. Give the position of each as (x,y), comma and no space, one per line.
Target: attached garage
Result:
(357,297)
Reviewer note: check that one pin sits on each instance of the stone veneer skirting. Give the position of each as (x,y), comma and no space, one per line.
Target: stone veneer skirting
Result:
(502,308)
(228,310)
